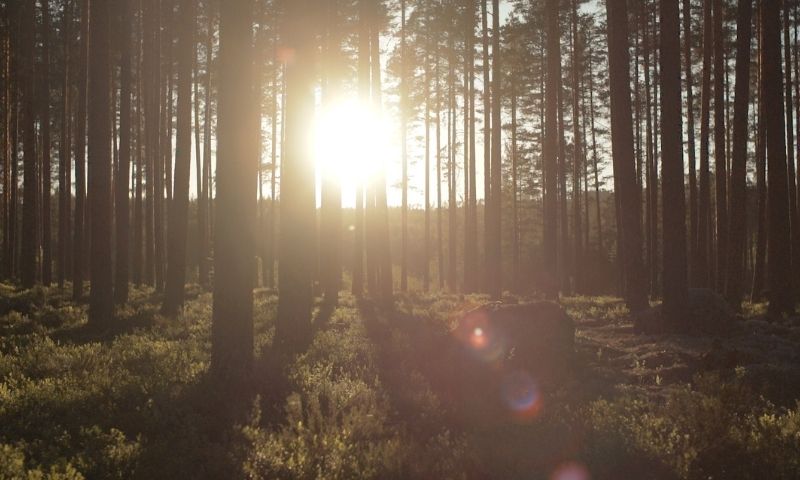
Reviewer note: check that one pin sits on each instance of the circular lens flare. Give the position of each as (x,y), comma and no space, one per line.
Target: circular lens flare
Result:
(571,471)
(521,395)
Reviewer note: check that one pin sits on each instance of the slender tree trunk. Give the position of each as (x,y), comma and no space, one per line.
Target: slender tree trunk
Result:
(674,217)
(204,210)
(790,148)
(759,267)
(232,314)
(487,145)
(649,165)
(151,69)
(364,95)
(452,223)
(47,255)
(30,234)
(515,285)
(426,273)
(737,233)
(123,172)
(439,228)
(470,158)
(623,154)
(690,136)
(64,161)
(403,151)
(720,171)
(703,249)
(577,160)
(600,240)
(101,303)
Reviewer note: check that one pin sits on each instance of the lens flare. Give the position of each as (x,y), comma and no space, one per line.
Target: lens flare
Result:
(521,395)
(481,338)
(571,471)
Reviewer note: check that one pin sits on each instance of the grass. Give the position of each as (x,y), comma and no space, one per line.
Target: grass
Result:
(374,397)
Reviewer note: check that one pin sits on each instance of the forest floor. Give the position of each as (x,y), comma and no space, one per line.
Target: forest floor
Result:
(371,398)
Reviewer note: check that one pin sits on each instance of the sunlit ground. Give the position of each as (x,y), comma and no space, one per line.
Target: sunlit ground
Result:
(351,144)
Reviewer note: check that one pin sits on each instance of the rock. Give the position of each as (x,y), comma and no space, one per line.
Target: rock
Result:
(707,312)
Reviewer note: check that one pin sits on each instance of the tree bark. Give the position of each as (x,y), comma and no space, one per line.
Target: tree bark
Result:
(30,233)
(737,228)
(781,298)
(720,168)
(623,154)
(298,204)
(703,249)
(674,217)
(232,313)
(101,301)
(179,206)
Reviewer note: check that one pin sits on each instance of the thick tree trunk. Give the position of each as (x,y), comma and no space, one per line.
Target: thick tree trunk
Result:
(781,298)
(298,204)
(550,150)
(232,314)
(674,217)
(623,155)
(737,232)
(179,206)
(101,303)
(720,169)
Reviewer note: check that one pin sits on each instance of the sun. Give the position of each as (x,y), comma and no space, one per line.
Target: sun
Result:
(350,142)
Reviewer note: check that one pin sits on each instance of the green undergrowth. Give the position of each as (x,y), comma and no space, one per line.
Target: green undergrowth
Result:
(366,400)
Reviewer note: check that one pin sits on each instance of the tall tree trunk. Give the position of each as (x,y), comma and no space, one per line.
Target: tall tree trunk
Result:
(179,206)
(232,314)
(674,217)
(439,228)
(703,249)
(204,210)
(298,204)
(363,93)
(781,299)
(487,145)
(123,171)
(452,223)
(623,155)
(403,152)
(690,137)
(470,195)
(331,221)
(759,267)
(64,160)
(101,301)
(426,272)
(30,234)
(550,149)
(47,255)
(151,72)
(515,286)
(599,218)
(577,160)
(720,170)
(649,164)
(737,233)
(790,148)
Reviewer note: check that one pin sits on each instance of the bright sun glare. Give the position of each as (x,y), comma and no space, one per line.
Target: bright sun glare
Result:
(350,142)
